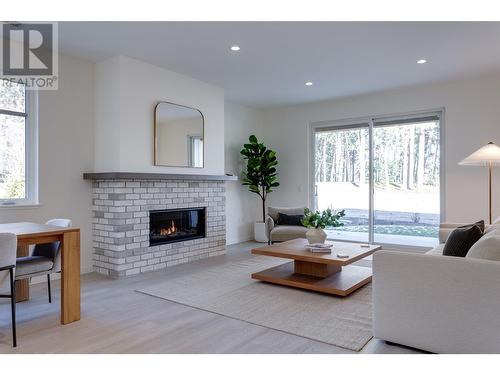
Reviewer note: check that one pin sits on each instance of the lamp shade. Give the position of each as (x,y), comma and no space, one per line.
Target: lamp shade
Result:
(486,155)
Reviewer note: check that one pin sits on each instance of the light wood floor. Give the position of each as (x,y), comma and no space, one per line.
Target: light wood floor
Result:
(116,319)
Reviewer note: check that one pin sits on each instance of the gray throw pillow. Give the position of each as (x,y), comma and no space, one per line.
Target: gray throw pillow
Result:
(479,223)
(461,240)
(284,219)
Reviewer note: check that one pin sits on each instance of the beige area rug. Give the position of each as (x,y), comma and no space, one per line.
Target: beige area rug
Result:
(228,290)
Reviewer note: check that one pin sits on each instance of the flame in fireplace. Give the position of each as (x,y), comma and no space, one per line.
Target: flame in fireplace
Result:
(168,230)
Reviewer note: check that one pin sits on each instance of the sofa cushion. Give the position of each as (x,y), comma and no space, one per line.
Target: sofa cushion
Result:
(288,232)
(273,211)
(438,250)
(32,265)
(284,219)
(492,228)
(487,247)
(461,240)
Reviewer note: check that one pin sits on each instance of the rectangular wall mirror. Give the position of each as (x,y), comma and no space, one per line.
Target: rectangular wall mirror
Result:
(178,136)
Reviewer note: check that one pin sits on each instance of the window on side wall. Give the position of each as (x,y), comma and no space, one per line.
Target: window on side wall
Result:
(18,145)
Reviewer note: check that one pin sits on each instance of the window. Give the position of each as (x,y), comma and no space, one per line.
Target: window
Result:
(385,172)
(18,145)
(195,151)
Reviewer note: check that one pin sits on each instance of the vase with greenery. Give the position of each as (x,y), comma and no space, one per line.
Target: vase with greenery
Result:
(260,175)
(317,221)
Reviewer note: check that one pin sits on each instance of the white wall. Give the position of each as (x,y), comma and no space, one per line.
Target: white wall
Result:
(107,116)
(66,150)
(242,207)
(472,119)
(125,102)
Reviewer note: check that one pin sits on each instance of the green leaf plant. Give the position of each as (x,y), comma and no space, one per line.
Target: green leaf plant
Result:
(260,176)
(327,218)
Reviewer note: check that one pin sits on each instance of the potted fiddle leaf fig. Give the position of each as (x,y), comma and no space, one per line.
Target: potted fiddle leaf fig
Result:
(260,177)
(317,221)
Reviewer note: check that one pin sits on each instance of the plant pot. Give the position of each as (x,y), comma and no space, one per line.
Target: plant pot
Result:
(259,232)
(316,235)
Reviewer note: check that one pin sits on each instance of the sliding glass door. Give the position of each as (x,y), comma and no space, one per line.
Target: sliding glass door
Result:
(385,174)
(342,178)
(406,195)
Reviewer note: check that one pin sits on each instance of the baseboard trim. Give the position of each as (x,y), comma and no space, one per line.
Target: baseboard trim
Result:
(240,240)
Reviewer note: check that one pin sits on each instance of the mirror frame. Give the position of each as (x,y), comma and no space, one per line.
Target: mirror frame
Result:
(155,137)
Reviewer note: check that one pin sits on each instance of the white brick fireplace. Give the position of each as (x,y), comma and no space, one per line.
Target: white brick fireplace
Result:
(121,208)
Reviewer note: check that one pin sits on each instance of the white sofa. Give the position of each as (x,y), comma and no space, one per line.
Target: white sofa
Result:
(437,303)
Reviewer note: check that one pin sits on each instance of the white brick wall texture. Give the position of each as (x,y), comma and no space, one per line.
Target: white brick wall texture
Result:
(120,223)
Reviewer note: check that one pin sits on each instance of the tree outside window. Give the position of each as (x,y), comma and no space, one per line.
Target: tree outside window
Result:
(13,117)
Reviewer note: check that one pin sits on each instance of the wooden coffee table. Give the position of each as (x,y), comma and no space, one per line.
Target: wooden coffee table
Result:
(324,273)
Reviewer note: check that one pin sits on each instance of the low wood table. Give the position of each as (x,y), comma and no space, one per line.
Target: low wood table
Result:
(320,272)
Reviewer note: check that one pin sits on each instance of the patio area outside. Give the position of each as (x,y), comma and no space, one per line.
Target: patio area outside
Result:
(405,217)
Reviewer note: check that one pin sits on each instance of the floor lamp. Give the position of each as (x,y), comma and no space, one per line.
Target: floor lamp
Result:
(488,156)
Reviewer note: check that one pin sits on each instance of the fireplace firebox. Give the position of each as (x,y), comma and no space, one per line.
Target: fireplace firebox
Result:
(166,226)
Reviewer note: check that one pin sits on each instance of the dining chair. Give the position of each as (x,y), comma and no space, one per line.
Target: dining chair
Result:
(44,260)
(8,251)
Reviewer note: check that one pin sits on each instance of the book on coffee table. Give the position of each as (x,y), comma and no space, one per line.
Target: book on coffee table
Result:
(319,248)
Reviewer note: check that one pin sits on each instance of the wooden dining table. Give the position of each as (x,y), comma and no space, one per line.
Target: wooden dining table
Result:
(33,233)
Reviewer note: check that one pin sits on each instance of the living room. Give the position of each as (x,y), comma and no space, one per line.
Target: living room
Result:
(249,187)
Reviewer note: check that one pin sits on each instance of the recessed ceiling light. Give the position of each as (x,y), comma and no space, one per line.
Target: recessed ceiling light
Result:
(421,61)
(308,83)
(235,48)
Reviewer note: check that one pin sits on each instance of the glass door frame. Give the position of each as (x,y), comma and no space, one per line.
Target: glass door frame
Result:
(369,123)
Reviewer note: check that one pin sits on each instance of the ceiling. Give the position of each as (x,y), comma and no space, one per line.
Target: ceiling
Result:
(277,58)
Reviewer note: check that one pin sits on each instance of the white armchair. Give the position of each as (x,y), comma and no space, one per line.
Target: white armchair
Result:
(280,233)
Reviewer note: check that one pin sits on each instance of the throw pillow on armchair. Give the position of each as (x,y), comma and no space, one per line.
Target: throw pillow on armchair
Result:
(284,219)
